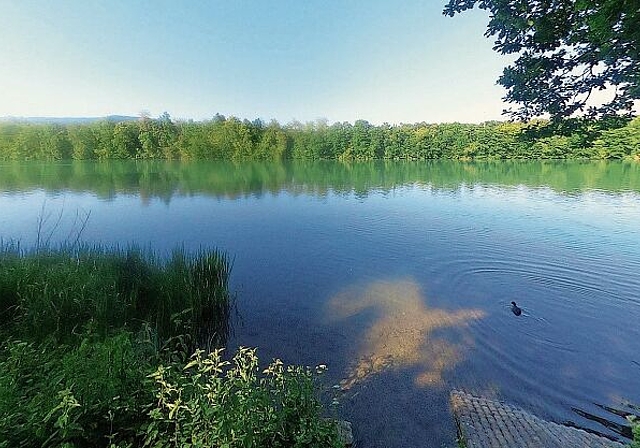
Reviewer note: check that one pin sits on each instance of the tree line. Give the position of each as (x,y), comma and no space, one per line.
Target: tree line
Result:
(234,139)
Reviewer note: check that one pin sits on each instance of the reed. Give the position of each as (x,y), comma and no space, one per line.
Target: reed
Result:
(62,292)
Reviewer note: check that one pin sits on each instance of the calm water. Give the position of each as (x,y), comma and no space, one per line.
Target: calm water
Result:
(397,275)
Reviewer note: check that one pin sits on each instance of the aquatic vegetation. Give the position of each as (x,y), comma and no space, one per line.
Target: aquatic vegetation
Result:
(402,334)
(83,324)
(60,293)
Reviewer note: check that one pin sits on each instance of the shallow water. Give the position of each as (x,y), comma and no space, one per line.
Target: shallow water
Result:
(398,276)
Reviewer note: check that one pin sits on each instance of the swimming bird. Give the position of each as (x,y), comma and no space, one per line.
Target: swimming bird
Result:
(516,309)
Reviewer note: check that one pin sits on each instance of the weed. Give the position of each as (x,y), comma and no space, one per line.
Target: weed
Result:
(635,429)
(235,404)
(56,293)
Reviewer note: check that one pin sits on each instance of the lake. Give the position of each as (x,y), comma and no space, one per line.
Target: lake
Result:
(397,275)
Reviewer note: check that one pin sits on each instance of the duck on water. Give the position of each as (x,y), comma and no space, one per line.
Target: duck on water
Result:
(516,309)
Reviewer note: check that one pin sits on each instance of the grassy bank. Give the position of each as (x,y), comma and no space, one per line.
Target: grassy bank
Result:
(96,352)
(62,294)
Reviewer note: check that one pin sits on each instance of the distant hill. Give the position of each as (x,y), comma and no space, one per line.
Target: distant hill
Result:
(67,120)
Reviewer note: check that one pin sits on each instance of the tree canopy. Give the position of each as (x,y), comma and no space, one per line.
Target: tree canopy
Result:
(566,50)
(229,138)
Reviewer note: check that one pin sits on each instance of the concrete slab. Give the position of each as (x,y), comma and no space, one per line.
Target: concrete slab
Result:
(484,423)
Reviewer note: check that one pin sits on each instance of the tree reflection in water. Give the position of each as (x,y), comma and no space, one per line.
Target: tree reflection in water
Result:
(402,334)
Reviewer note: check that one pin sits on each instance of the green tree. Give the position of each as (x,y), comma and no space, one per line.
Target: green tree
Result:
(9,135)
(103,133)
(301,145)
(27,143)
(125,141)
(361,140)
(54,143)
(147,138)
(192,142)
(243,136)
(166,133)
(83,142)
(339,138)
(566,50)
(620,143)
(274,143)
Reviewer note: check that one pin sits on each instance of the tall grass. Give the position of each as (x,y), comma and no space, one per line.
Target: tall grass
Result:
(82,326)
(61,293)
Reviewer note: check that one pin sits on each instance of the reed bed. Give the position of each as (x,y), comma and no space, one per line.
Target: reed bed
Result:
(61,293)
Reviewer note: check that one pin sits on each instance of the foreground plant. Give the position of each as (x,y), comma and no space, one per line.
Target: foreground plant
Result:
(635,429)
(82,326)
(216,403)
(54,395)
(82,330)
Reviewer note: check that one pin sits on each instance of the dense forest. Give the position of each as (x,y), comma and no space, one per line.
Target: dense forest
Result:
(235,139)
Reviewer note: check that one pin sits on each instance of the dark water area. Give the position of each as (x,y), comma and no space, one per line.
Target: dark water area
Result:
(397,275)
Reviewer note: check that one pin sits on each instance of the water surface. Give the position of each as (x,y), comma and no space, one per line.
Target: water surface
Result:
(398,276)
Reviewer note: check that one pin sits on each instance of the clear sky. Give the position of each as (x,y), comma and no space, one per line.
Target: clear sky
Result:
(343,60)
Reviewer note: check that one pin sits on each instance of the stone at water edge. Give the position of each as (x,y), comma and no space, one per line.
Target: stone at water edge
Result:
(345,431)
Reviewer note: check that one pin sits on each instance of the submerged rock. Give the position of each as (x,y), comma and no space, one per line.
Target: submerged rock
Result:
(346,432)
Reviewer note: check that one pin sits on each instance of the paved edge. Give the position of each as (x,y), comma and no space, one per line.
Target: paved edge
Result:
(484,423)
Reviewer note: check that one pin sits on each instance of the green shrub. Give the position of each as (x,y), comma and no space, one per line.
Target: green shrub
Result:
(82,396)
(215,403)
(101,394)
(635,429)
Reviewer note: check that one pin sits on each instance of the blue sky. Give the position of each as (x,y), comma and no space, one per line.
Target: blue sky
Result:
(342,60)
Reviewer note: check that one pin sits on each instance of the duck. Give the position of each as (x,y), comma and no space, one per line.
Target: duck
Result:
(516,309)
